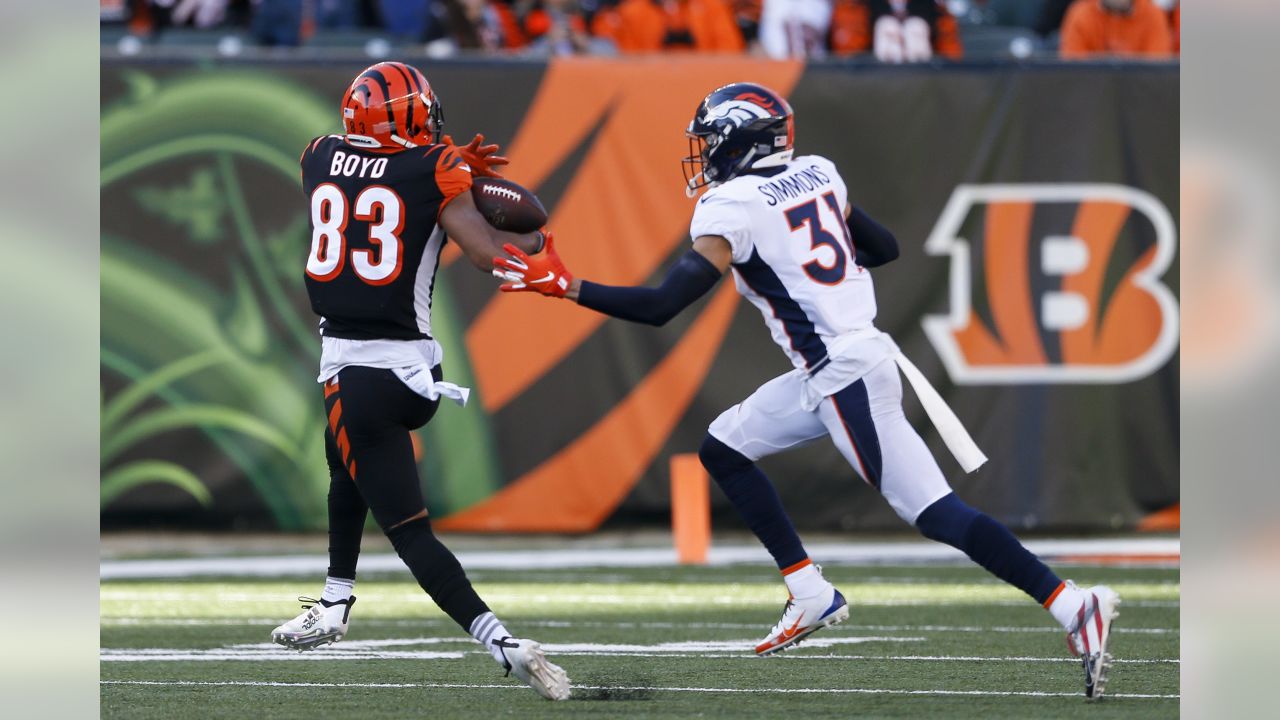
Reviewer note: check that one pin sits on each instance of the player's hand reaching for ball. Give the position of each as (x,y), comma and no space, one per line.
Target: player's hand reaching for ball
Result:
(543,273)
(480,158)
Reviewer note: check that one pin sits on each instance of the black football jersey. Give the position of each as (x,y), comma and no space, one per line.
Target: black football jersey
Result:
(375,240)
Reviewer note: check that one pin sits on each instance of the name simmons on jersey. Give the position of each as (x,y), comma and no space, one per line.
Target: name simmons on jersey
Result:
(794,185)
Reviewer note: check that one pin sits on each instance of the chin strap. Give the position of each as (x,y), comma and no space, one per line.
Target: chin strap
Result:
(745,162)
(695,183)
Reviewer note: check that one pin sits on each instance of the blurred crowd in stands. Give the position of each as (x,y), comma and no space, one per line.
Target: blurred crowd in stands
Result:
(892,31)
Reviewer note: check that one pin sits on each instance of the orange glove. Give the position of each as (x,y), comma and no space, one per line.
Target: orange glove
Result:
(543,273)
(479,157)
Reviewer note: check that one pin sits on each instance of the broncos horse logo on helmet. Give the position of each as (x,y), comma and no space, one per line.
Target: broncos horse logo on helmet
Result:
(391,105)
(736,128)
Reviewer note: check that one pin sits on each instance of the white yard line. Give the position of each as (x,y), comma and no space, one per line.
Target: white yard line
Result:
(713,646)
(397,649)
(862,553)
(266,683)
(179,655)
(745,655)
(712,690)
(378,650)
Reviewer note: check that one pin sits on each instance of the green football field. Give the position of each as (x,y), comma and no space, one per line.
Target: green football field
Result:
(656,642)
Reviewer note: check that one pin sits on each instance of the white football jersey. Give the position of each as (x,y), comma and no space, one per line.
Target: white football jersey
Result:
(794,260)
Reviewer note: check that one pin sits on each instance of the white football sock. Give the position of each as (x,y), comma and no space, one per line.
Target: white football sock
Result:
(336,589)
(485,629)
(1065,606)
(806,581)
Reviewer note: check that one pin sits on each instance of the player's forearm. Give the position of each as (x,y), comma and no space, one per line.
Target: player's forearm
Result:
(873,244)
(530,243)
(478,240)
(480,252)
(689,279)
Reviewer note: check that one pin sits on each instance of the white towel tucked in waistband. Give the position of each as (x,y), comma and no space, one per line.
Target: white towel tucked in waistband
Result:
(855,361)
(418,379)
(949,426)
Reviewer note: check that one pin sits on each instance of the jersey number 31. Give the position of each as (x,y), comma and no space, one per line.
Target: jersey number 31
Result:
(808,214)
(329,241)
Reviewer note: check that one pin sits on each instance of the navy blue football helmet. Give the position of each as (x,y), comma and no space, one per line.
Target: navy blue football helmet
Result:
(736,128)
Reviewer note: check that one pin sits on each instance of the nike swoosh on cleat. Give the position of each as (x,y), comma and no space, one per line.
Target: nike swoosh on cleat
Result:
(784,636)
(791,632)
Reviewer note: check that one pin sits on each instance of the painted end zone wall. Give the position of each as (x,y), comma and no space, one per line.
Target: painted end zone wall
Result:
(1036,289)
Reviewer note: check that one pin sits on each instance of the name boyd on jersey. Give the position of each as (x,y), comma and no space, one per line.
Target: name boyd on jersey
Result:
(356,166)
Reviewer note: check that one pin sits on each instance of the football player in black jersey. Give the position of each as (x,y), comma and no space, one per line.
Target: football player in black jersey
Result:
(384,198)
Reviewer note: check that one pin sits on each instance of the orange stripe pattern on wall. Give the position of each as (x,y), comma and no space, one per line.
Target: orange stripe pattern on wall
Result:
(622,213)
(579,487)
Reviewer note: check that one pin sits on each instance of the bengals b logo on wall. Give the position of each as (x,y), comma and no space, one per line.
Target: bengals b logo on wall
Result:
(1054,283)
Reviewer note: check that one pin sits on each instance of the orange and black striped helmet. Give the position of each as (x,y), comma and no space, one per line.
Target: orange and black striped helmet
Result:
(391,105)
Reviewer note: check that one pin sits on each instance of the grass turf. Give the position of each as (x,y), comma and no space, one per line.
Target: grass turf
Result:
(915,635)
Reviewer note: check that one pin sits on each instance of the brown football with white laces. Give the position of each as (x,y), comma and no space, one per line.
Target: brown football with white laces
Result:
(507,205)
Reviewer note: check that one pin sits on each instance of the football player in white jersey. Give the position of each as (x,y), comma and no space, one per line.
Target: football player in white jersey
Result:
(800,252)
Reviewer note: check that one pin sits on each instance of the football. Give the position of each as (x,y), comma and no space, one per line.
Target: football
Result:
(507,205)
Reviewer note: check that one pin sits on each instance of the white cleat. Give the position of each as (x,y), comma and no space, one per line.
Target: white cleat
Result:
(321,623)
(802,618)
(525,659)
(1092,635)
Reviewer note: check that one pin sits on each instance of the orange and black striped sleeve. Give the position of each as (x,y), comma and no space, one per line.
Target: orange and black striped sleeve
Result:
(452,174)
(302,159)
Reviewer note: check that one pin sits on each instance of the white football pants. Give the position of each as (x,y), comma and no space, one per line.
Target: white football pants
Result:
(864,420)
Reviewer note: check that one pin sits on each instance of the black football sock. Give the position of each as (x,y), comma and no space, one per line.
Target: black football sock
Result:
(437,571)
(347,513)
(755,499)
(989,544)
